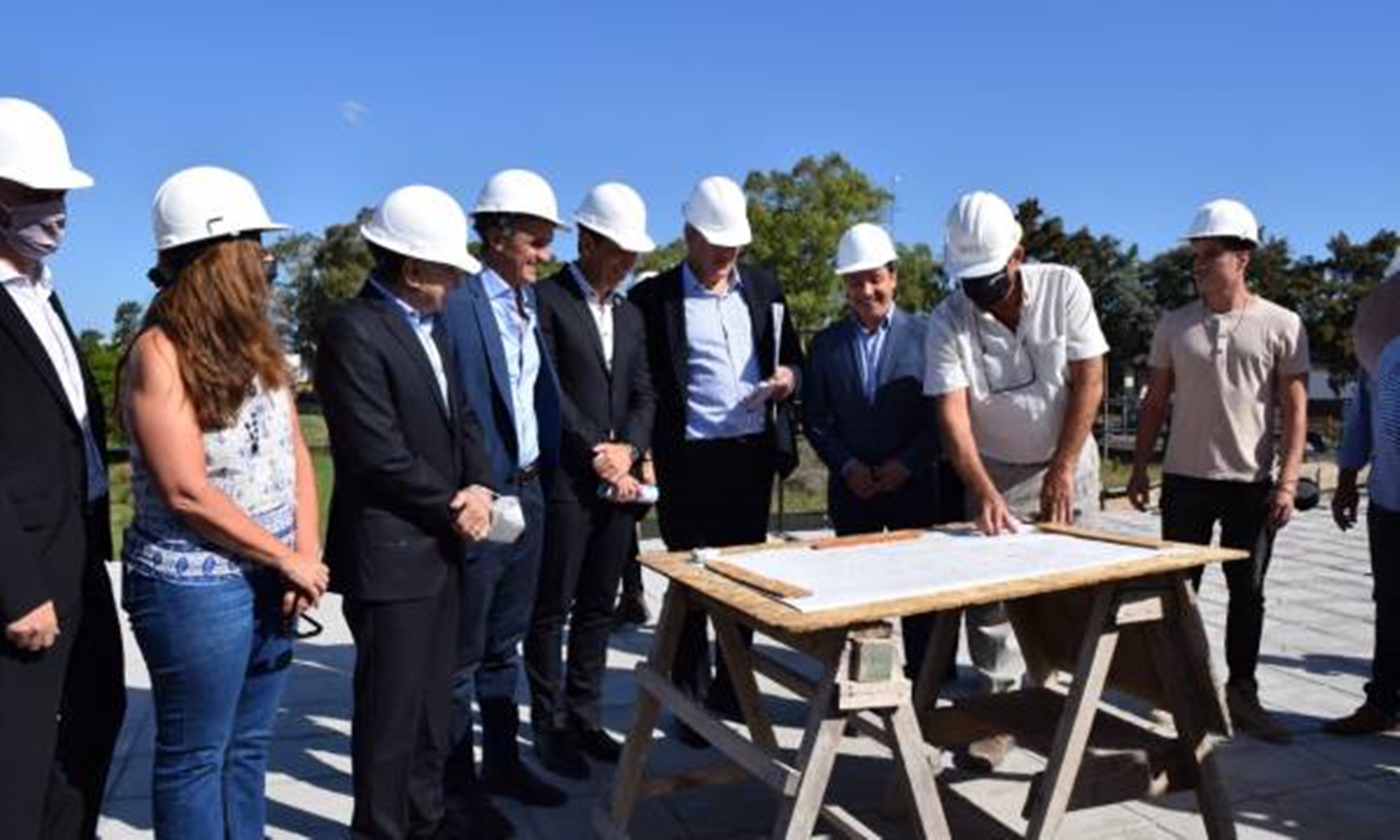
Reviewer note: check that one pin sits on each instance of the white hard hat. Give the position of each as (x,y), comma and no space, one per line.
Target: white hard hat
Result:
(519,191)
(33,151)
(616,211)
(424,223)
(718,210)
(1224,217)
(1394,267)
(863,247)
(980,235)
(206,202)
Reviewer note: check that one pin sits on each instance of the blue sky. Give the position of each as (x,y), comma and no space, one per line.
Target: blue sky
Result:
(1121,115)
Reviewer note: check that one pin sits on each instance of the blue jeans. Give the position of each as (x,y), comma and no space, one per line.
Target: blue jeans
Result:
(219,654)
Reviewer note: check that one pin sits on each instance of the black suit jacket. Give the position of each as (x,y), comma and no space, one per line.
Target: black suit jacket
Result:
(48,532)
(400,454)
(661,300)
(597,404)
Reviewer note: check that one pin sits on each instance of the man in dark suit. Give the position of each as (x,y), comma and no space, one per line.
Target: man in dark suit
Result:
(866,414)
(61,684)
(598,345)
(506,376)
(411,481)
(724,358)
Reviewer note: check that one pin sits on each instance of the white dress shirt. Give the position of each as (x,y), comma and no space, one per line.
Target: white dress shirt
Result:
(33,299)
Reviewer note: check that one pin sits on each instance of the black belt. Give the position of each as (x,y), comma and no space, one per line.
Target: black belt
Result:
(525,474)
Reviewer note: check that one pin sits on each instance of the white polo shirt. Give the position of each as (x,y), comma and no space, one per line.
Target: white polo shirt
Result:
(1016,382)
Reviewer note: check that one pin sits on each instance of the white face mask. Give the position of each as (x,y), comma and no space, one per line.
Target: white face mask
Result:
(35,231)
(507,520)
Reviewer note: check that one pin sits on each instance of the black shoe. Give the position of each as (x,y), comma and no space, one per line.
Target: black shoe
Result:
(690,737)
(558,750)
(596,743)
(632,609)
(470,815)
(520,783)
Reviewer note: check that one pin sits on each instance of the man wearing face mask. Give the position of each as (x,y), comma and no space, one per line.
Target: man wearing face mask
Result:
(598,345)
(61,682)
(1225,365)
(507,377)
(1015,357)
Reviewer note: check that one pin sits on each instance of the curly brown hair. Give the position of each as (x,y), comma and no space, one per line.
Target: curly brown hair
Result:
(215,313)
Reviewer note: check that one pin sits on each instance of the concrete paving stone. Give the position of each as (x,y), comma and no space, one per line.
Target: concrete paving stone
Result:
(1365,809)
(1358,757)
(1254,769)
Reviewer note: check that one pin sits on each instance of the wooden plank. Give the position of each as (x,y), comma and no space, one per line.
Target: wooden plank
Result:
(768,614)
(758,763)
(741,673)
(663,650)
(942,644)
(763,583)
(715,774)
(1095,657)
(1179,659)
(867,539)
(797,817)
(918,768)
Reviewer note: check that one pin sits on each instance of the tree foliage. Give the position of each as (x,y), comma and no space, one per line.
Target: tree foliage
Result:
(319,272)
(798,217)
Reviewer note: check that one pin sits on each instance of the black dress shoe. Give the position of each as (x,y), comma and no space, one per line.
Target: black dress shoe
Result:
(520,783)
(632,609)
(596,743)
(558,750)
(470,815)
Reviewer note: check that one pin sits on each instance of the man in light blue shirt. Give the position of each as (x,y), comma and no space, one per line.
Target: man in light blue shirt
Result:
(1371,433)
(724,360)
(509,383)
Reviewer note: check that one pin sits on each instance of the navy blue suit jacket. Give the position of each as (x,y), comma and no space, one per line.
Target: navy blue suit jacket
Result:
(485,381)
(841,424)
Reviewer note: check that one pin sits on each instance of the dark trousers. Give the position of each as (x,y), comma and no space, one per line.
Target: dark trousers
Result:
(632,571)
(586,545)
(1190,509)
(498,595)
(934,499)
(404,653)
(1383,526)
(60,713)
(715,494)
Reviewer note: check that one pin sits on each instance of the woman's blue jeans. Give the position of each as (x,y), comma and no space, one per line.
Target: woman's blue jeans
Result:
(219,653)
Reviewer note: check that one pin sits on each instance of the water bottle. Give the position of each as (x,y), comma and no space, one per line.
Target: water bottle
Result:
(647,494)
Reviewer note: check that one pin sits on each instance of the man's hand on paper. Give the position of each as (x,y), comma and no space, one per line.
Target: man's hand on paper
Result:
(993,516)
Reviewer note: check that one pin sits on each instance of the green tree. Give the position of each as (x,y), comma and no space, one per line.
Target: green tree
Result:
(921,284)
(101,358)
(1125,306)
(321,272)
(797,217)
(661,259)
(126,322)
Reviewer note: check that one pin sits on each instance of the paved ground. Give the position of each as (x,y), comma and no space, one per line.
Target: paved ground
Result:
(1316,657)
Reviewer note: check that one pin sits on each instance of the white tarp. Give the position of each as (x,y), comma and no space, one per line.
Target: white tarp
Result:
(933,563)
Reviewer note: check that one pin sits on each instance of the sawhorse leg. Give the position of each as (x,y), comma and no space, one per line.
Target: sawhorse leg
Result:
(663,650)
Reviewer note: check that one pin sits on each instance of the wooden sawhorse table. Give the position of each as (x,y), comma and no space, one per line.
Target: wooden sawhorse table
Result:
(861,680)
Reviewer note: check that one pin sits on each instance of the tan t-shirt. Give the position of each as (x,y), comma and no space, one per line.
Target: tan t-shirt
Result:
(1226,369)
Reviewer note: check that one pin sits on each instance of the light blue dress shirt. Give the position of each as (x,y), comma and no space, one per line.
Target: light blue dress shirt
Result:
(1363,430)
(869,346)
(721,362)
(516,320)
(423,326)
